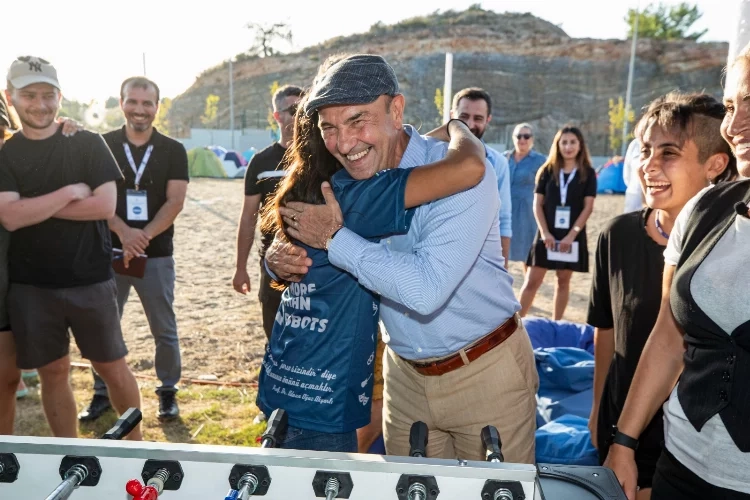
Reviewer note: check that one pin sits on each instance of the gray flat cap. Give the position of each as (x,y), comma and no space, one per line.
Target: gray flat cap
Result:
(357,79)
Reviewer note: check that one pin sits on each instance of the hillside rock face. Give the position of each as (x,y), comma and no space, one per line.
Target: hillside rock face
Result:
(534,72)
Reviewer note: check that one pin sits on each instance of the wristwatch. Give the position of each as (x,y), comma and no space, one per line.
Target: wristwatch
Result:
(623,439)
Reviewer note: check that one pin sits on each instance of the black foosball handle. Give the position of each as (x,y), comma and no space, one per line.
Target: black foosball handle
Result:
(124,425)
(275,429)
(492,444)
(418,440)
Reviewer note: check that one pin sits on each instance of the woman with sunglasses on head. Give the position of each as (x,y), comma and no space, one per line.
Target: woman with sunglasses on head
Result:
(524,163)
(697,356)
(681,153)
(563,202)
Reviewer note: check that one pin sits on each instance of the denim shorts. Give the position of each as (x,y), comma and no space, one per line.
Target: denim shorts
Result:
(305,439)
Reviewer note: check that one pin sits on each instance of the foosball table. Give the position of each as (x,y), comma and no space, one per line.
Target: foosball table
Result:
(33,468)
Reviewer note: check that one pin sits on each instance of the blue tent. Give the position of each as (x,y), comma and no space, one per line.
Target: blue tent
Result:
(609,178)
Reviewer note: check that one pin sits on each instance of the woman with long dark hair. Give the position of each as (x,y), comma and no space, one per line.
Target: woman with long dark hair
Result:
(563,202)
(697,356)
(681,152)
(319,362)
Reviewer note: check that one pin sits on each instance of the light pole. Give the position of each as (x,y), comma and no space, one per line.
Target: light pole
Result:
(741,36)
(448,86)
(629,90)
(231,100)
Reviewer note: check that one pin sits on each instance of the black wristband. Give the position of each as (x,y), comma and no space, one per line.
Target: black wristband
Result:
(448,126)
(623,439)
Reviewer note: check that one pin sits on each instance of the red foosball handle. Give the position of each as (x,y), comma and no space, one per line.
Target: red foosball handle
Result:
(140,492)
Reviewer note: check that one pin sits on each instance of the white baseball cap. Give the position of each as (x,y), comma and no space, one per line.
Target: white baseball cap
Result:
(27,70)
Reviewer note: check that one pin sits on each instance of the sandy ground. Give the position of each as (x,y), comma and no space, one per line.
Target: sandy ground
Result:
(221,331)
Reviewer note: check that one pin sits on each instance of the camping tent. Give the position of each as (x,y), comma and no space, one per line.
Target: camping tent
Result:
(218,150)
(236,157)
(609,178)
(202,162)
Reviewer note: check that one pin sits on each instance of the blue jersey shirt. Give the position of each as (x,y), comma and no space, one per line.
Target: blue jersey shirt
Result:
(319,362)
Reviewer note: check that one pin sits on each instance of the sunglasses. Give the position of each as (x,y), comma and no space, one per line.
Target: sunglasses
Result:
(292,110)
(524,136)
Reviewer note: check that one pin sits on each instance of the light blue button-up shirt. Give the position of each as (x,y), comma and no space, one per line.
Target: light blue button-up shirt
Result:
(502,171)
(443,284)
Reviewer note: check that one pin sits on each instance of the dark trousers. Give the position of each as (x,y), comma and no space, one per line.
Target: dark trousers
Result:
(674,481)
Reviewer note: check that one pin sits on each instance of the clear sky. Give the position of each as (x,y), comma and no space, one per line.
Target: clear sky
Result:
(96,44)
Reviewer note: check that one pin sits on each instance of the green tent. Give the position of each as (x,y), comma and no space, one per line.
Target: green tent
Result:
(202,162)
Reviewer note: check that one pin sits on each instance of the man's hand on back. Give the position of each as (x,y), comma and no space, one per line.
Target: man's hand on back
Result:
(313,224)
(288,262)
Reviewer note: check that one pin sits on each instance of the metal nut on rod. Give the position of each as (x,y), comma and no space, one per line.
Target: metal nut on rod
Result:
(158,480)
(332,488)
(503,494)
(247,486)
(417,491)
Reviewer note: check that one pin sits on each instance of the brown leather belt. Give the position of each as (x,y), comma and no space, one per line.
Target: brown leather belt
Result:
(484,345)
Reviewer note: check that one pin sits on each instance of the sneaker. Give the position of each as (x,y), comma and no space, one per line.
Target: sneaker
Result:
(99,404)
(168,408)
(259,418)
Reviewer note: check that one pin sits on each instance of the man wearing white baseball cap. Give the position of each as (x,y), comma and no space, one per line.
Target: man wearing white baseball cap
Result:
(56,194)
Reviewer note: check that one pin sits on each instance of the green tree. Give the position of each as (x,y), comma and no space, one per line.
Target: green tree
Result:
(617,116)
(265,35)
(212,109)
(664,22)
(161,121)
(271,120)
(112,102)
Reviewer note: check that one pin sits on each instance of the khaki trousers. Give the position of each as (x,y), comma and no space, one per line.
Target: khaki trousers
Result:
(497,389)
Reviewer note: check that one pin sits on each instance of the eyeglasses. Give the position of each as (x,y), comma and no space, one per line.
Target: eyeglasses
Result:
(292,110)
(524,136)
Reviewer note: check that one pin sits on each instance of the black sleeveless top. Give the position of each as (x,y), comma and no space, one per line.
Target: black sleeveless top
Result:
(716,378)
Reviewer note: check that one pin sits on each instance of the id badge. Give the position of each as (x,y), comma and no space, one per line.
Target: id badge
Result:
(562,218)
(137,205)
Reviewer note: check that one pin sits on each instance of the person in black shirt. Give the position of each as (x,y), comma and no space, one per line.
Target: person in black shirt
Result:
(149,198)
(261,178)
(563,202)
(697,354)
(623,304)
(56,194)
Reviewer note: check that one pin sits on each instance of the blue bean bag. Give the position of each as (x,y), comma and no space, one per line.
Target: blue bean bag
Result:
(545,332)
(565,441)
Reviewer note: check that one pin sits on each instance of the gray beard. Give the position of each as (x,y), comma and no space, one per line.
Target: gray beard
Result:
(140,127)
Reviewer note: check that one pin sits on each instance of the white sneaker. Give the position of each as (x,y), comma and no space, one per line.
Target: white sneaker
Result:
(259,418)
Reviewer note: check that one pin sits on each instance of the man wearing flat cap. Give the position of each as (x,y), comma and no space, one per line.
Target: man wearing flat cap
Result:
(458,357)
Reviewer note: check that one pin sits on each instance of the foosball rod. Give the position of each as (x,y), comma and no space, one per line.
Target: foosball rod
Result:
(276,428)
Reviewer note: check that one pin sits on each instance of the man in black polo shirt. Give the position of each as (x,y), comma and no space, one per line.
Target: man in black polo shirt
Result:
(56,195)
(262,176)
(149,198)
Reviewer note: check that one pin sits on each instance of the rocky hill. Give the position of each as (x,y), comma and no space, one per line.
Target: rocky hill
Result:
(533,70)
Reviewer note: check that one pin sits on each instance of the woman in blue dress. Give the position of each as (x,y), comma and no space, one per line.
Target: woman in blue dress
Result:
(319,361)
(524,163)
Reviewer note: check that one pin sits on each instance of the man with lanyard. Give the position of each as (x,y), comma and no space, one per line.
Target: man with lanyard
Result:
(473,106)
(261,178)
(150,197)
